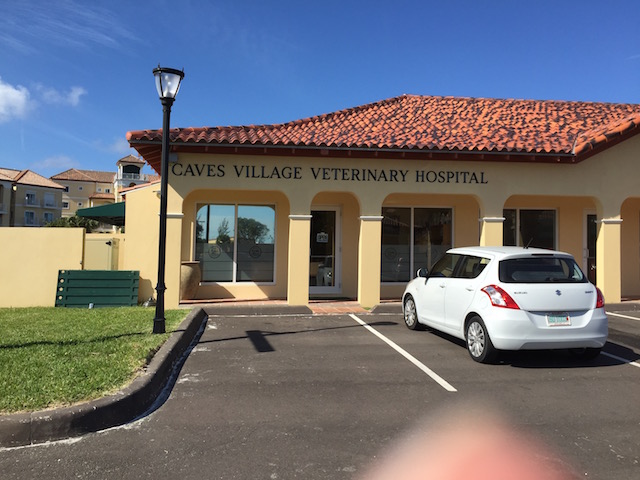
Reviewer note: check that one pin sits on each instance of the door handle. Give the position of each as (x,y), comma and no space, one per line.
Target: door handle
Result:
(469,289)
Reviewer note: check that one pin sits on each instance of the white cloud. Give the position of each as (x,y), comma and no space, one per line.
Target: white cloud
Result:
(54,164)
(52,96)
(73,24)
(15,101)
(120,146)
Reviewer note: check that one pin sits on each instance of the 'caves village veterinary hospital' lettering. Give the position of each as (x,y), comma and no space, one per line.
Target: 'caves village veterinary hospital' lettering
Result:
(250,171)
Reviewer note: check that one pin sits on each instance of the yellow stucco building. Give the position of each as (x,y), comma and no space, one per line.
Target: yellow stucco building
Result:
(350,204)
(28,199)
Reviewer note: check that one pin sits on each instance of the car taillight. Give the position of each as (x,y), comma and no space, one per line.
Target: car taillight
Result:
(500,298)
(600,300)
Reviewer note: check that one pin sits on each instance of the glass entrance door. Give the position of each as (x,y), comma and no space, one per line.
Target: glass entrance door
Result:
(324,271)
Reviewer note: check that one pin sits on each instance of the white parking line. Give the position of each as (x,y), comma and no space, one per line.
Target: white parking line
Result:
(624,316)
(442,382)
(620,359)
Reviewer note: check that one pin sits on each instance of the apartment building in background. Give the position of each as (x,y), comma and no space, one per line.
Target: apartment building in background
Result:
(93,188)
(28,199)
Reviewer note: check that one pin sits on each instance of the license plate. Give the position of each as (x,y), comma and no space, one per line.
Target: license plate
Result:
(558,320)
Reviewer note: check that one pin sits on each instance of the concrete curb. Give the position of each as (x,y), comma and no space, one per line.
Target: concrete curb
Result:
(623,307)
(278,309)
(391,307)
(117,409)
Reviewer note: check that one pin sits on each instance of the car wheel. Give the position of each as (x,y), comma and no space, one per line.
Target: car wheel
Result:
(478,342)
(585,353)
(410,314)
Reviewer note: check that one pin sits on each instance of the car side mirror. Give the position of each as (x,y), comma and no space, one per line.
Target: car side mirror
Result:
(422,272)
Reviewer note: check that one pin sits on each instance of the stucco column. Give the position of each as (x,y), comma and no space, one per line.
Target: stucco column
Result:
(608,259)
(491,231)
(369,248)
(173,260)
(298,266)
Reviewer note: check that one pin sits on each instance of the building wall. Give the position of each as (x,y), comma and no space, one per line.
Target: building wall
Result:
(31,258)
(605,184)
(630,244)
(44,201)
(140,250)
(5,203)
(79,195)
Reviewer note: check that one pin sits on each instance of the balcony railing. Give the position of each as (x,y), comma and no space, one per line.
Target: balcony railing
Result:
(131,176)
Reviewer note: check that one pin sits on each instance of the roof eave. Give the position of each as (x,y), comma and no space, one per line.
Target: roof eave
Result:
(151,151)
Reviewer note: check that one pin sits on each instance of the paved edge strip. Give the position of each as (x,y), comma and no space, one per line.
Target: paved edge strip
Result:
(122,407)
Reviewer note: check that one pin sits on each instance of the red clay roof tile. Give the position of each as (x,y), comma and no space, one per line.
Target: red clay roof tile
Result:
(28,177)
(413,123)
(77,175)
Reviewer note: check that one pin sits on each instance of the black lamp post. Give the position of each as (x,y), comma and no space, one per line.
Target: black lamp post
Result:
(168,83)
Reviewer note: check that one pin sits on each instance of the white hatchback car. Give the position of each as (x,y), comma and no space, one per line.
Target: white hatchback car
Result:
(509,298)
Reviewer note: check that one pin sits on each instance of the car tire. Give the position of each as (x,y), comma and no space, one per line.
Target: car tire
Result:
(585,353)
(410,314)
(478,341)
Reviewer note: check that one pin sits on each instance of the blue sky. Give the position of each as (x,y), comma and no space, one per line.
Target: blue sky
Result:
(75,76)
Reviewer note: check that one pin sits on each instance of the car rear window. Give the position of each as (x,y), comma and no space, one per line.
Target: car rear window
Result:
(543,269)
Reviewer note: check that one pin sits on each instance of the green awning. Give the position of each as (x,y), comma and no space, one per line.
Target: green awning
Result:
(112,213)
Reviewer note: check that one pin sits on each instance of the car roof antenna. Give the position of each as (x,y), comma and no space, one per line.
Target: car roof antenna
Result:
(529,243)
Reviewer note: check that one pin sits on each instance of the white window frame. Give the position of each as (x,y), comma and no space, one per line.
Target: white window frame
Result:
(31,194)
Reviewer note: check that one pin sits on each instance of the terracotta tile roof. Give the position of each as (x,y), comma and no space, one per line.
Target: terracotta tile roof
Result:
(73,174)
(131,159)
(27,177)
(592,139)
(103,196)
(524,129)
(126,190)
(4,176)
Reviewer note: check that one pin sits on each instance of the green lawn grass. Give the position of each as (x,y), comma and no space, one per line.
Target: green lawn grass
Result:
(51,357)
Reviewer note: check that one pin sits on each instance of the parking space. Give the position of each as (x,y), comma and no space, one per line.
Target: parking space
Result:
(318,397)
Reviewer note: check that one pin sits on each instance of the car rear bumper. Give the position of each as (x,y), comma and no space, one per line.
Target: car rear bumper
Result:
(521,330)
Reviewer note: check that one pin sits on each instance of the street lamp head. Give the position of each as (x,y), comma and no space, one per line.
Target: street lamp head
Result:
(168,81)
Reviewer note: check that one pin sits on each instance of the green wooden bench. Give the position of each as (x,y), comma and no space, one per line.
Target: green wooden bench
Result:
(97,288)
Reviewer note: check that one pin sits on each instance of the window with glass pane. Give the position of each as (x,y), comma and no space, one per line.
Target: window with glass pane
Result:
(256,243)
(236,243)
(509,236)
(432,235)
(396,245)
(29,218)
(534,228)
(413,238)
(215,234)
(445,266)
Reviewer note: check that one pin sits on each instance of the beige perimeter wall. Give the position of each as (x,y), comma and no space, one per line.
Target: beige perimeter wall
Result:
(31,258)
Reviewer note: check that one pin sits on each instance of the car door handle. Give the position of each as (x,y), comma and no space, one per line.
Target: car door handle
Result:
(469,289)
(442,285)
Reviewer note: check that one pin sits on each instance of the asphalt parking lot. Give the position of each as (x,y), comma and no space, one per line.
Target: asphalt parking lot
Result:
(319,397)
